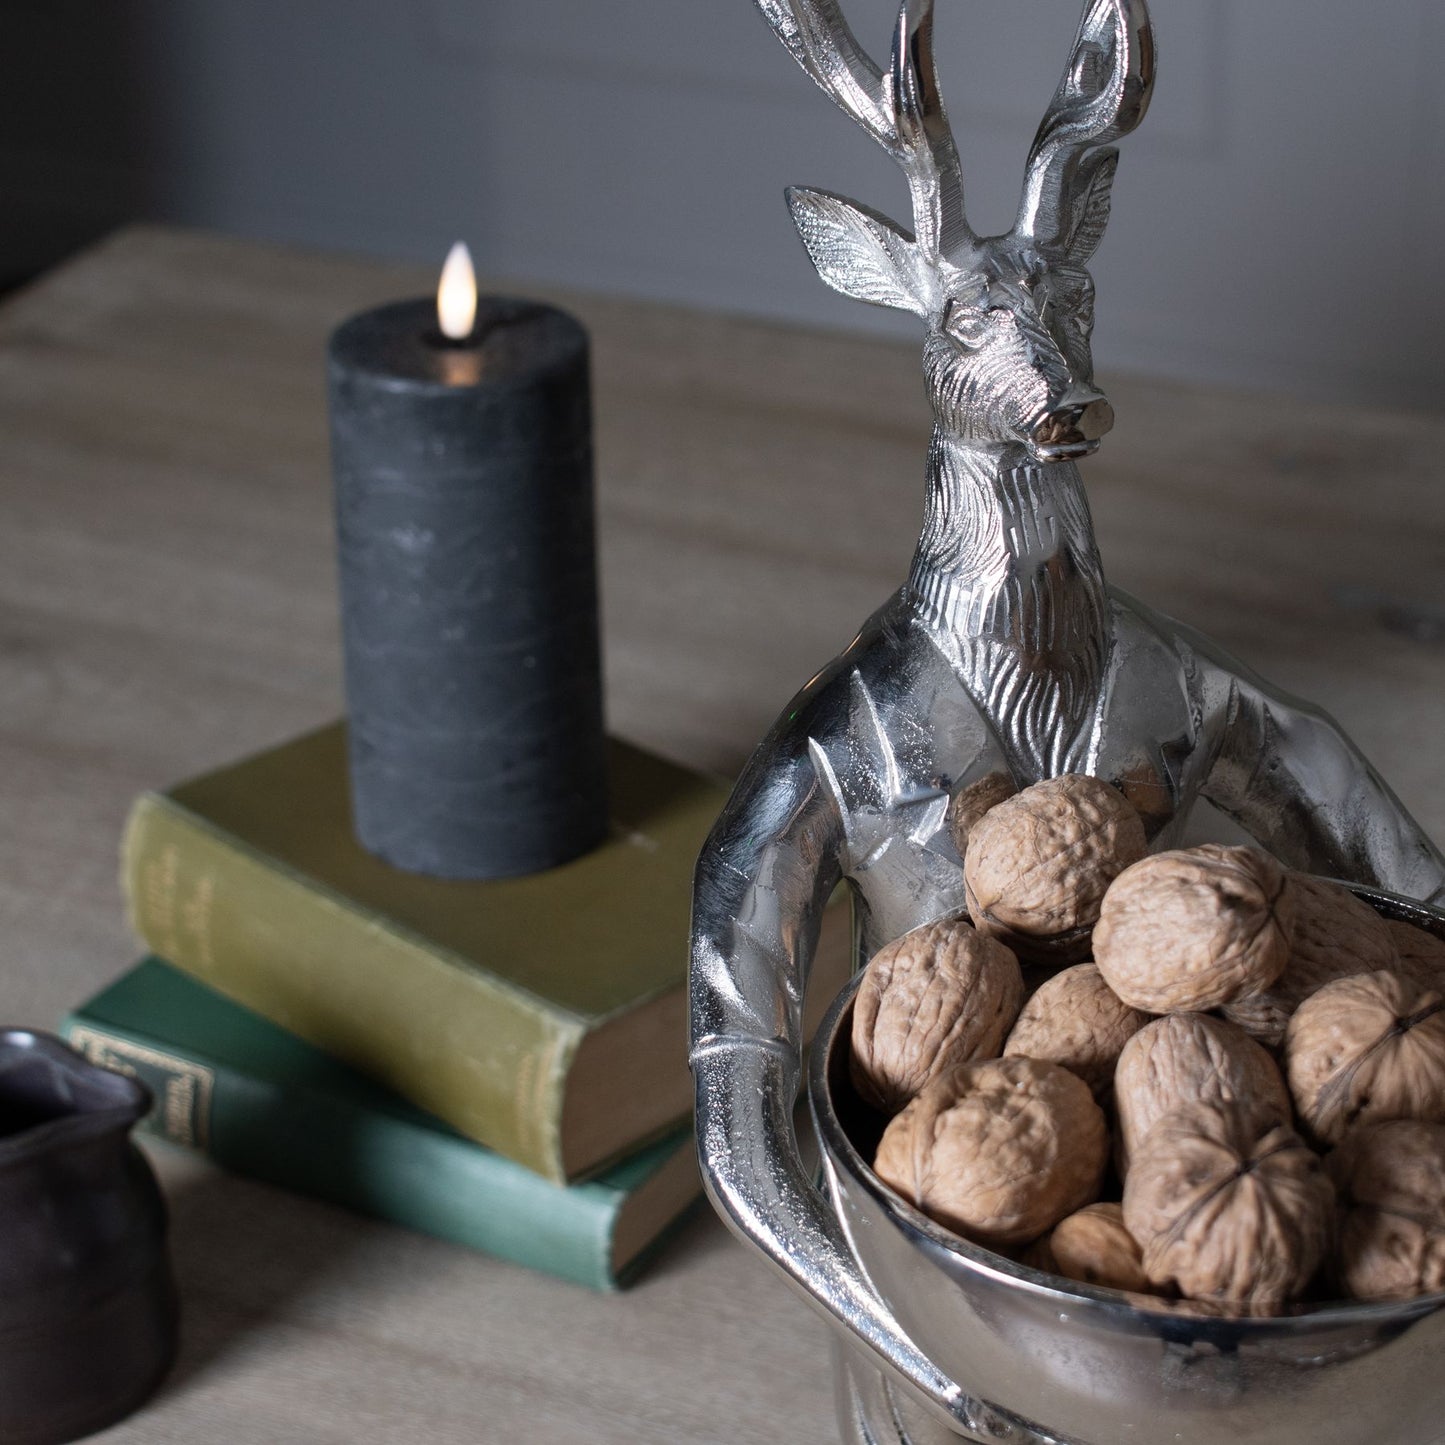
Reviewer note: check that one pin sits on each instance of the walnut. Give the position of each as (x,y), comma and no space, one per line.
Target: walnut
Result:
(1391,1182)
(1093,1247)
(1187,1058)
(1075,1019)
(1366,1049)
(1193,929)
(1332,934)
(998,1151)
(1421,955)
(1227,1210)
(1038,864)
(939,996)
(972,801)
(1150,796)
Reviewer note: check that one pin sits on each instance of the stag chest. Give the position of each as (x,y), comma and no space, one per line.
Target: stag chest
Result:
(893,733)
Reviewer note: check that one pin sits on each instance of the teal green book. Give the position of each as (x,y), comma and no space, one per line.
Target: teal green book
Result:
(262,1103)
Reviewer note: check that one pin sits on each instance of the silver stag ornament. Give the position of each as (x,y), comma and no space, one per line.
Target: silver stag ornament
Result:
(1004,652)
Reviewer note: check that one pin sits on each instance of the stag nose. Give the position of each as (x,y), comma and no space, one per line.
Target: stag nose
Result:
(1073,428)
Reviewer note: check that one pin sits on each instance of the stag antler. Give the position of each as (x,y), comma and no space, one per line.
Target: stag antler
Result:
(1103,96)
(903,111)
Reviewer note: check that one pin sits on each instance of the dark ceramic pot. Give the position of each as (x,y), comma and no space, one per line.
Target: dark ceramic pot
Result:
(87,1304)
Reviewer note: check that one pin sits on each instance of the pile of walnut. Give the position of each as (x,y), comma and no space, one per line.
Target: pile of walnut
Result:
(1239,1100)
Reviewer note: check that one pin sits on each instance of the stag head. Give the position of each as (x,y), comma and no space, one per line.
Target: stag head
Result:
(1007,355)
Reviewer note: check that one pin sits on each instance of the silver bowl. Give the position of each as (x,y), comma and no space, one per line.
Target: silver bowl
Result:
(1099,1367)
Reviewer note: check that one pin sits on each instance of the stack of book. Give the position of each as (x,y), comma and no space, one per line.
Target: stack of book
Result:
(502,1064)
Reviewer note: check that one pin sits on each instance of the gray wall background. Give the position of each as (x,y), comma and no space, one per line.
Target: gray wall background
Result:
(1278,219)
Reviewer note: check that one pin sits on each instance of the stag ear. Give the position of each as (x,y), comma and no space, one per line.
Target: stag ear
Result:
(1093,187)
(860,253)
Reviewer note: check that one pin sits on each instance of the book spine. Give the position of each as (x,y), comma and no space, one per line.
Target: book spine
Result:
(435,1028)
(314,1142)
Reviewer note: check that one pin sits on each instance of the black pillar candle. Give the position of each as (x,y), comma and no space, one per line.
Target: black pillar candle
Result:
(463,476)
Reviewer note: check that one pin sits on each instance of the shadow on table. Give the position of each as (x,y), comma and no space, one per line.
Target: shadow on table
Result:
(244,1253)
(247,1254)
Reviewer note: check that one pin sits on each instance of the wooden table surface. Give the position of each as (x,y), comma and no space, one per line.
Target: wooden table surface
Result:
(167,604)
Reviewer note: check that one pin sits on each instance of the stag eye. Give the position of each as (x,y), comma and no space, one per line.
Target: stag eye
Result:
(965,324)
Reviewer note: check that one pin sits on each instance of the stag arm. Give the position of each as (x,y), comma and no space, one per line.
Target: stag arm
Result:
(1287,773)
(763,880)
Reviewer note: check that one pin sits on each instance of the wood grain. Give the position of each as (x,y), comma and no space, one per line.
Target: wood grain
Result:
(166,603)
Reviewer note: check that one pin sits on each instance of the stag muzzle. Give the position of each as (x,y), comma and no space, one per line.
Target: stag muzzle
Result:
(1071,429)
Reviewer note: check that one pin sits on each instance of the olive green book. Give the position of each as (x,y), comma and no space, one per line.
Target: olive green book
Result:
(260,1102)
(543,1016)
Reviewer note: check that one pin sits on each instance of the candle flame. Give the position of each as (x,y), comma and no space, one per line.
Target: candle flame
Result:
(457,294)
